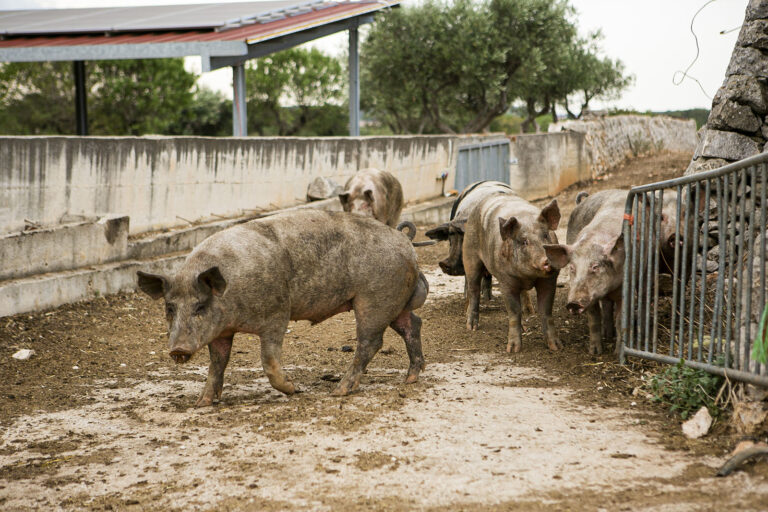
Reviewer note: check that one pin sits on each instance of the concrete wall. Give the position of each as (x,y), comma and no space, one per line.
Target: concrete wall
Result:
(543,164)
(162,182)
(610,140)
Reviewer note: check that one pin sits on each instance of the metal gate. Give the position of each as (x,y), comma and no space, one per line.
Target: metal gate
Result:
(707,233)
(483,161)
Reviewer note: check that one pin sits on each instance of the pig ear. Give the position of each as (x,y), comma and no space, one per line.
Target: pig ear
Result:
(368,195)
(344,198)
(212,280)
(153,285)
(617,250)
(458,225)
(558,255)
(550,215)
(508,227)
(438,233)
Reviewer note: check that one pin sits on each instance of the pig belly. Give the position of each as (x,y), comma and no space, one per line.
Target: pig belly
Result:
(322,312)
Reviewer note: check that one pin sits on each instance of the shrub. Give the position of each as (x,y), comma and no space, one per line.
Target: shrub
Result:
(686,389)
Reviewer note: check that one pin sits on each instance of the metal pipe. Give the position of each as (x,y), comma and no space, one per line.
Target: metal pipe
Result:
(751,378)
(739,271)
(239,111)
(354,84)
(675,270)
(658,240)
(81,99)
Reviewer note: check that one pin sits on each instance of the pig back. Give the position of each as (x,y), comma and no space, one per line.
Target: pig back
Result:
(474,194)
(604,203)
(316,261)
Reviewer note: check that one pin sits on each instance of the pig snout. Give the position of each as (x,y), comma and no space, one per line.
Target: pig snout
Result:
(180,355)
(574,308)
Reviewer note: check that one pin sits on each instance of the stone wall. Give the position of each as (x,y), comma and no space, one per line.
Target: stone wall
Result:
(612,139)
(736,127)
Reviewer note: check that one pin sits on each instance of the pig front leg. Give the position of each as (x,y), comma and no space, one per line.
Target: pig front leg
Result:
(271,352)
(515,316)
(219,350)
(594,318)
(607,313)
(617,325)
(545,299)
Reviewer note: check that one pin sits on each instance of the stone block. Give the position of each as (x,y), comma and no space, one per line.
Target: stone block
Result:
(745,90)
(323,188)
(727,145)
(704,164)
(729,115)
(757,9)
(748,61)
(754,34)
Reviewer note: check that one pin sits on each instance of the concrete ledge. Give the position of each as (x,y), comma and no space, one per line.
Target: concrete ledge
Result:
(51,290)
(64,247)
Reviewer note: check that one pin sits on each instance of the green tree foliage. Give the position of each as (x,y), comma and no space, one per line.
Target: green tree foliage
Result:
(125,97)
(37,98)
(208,114)
(310,83)
(454,67)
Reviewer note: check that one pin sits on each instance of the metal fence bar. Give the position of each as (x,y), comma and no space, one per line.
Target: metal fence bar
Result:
(658,239)
(706,329)
(675,271)
(703,281)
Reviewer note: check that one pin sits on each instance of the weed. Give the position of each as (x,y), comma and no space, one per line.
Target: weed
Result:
(686,389)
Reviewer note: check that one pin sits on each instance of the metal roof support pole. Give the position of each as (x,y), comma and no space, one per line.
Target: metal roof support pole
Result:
(239,113)
(354,84)
(81,107)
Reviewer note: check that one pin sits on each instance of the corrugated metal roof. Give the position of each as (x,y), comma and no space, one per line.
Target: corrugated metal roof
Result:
(149,18)
(209,30)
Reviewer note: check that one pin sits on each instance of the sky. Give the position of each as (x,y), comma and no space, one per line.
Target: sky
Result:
(651,37)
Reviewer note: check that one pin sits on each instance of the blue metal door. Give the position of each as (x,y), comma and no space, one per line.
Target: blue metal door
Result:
(483,161)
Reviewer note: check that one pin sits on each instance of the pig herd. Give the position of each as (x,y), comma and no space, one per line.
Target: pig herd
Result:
(258,276)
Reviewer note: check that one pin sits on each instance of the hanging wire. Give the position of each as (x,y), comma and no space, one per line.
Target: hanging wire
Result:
(684,74)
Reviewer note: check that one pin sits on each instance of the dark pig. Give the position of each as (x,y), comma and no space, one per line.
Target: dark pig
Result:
(374,193)
(453,230)
(303,265)
(505,235)
(594,253)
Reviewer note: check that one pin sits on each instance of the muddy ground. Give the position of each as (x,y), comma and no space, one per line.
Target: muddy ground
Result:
(101,419)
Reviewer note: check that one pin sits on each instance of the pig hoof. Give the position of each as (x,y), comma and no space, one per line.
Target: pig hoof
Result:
(411,378)
(340,391)
(204,401)
(595,350)
(288,388)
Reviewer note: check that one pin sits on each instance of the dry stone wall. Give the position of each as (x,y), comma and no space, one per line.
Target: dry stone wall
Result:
(737,127)
(610,140)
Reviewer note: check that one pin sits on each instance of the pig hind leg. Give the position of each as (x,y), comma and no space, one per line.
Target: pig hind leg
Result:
(271,353)
(369,341)
(486,286)
(474,276)
(408,326)
(219,350)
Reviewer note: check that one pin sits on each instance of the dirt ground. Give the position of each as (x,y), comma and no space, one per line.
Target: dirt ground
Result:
(102,419)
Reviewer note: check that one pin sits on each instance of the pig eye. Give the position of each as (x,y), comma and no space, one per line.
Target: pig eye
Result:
(170,310)
(595,267)
(199,309)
